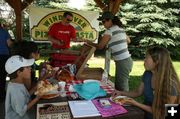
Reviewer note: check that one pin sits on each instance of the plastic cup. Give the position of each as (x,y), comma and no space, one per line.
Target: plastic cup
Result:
(62,85)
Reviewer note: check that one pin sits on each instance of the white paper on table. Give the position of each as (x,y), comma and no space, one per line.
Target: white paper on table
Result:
(83,108)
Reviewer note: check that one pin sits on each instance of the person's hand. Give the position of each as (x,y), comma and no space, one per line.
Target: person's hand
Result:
(50,73)
(88,42)
(116,93)
(81,40)
(39,95)
(130,101)
(60,42)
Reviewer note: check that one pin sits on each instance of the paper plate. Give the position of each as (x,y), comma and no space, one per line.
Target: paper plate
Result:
(52,92)
(118,97)
(50,96)
(91,80)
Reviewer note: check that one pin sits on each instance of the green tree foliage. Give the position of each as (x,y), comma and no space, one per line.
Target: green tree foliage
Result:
(91,6)
(61,4)
(152,22)
(147,22)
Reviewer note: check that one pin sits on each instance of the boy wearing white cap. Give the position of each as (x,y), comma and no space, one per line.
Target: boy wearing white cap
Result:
(17,96)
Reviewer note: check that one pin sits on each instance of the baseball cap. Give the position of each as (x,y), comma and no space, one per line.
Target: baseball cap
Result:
(15,62)
(106,15)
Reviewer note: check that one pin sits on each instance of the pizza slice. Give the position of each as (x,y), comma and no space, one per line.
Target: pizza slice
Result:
(44,87)
(120,99)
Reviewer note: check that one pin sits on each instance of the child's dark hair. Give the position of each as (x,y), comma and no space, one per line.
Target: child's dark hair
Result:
(24,48)
(116,21)
(14,74)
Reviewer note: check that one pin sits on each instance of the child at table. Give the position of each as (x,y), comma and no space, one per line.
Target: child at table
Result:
(28,50)
(17,97)
(160,84)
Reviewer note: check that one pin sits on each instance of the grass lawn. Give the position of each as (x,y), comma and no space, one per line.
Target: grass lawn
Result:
(135,75)
(138,66)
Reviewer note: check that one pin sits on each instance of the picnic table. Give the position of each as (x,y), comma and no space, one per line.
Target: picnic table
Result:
(133,112)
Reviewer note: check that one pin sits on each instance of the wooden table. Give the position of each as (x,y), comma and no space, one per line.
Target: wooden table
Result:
(133,112)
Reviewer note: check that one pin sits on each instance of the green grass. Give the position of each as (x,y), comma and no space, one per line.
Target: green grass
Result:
(138,66)
(135,75)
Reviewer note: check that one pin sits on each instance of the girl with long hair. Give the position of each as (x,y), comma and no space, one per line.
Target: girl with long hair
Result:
(167,84)
(160,84)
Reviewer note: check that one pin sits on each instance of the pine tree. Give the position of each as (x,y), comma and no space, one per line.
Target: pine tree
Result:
(152,22)
(61,4)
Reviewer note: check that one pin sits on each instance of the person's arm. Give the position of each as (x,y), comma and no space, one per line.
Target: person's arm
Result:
(78,39)
(55,41)
(140,105)
(33,89)
(144,107)
(8,39)
(172,99)
(9,42)
(103,42)
(128,39)
(36,99)
(18,101)
(32,102)
(137,92)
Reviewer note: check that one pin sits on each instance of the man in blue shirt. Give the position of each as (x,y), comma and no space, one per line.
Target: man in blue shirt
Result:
(5,43)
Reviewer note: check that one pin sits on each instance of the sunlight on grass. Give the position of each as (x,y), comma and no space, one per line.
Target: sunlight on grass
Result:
(137,70)
(135,75)
(177,67)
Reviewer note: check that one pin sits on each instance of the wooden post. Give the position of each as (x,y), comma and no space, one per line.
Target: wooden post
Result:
(18,7)
(116,5)
(112,5)
(18,13)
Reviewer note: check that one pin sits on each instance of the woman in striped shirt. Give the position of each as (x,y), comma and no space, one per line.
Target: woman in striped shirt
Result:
(116,41)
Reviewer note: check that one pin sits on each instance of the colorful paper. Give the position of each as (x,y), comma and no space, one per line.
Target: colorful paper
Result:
(115,109)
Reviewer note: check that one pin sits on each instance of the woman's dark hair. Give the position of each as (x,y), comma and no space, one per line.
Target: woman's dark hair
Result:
(67,13)
(116,21)
(24,48)
(14,74)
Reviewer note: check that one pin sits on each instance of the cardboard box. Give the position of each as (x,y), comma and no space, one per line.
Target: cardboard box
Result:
(87,73)
(80,58)
(91,73)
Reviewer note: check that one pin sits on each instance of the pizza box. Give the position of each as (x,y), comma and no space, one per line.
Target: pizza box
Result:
(90,73)
(87,73)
